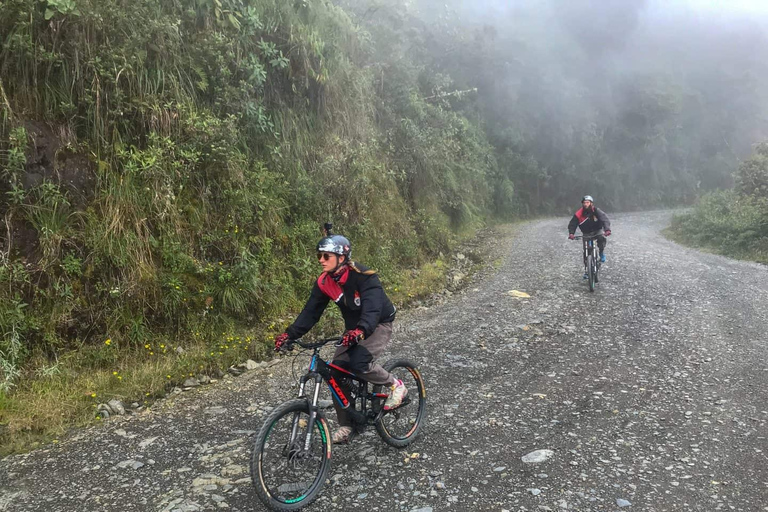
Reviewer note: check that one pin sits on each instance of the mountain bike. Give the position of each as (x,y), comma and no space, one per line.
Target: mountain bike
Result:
(291,454)
(591,260)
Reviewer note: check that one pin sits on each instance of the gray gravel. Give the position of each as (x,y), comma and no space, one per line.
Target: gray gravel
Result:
(649,394)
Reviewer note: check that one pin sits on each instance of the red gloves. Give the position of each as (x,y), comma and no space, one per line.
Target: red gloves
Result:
(571,236)
(352,337)
(607,232)
(280,340)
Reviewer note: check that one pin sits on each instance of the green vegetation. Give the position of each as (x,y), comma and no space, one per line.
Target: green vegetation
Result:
(165,165)
(732,222)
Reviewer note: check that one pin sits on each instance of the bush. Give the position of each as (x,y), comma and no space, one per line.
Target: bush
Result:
(164,167)
(728,223)
(752,175)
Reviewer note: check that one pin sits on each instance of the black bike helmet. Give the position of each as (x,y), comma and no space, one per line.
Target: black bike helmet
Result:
(335,244)
(587,198)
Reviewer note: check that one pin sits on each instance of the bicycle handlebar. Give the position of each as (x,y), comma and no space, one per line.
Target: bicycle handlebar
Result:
(317,344)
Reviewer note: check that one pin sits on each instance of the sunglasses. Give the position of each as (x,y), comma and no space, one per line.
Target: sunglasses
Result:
(323,256)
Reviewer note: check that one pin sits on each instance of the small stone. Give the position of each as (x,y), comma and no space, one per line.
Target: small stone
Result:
(190,383)
(537,456)
(233,470)
(535,492)
(622,503)
(179,350)
(116,406)
(147,442)
(251,364)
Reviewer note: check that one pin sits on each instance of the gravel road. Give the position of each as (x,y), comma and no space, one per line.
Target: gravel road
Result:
(651,394)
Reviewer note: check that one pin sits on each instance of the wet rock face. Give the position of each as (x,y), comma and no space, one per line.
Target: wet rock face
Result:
(648,394)
(49,158)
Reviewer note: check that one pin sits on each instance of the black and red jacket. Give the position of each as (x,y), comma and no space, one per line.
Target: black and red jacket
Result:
(589,221)
(360,298)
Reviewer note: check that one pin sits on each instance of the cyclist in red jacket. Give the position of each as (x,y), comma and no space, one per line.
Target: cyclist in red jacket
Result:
(368,314)
(593,222)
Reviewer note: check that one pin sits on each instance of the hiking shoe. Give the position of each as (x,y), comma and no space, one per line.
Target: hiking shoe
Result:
(396,394)
(602,258)
(343,435)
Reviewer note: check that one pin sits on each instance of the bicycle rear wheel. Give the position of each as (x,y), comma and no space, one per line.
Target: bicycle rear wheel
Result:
(592,273)
(285,474)
(400,427)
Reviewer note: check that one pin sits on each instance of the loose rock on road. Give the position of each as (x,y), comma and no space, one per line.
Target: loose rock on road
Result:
(648,394)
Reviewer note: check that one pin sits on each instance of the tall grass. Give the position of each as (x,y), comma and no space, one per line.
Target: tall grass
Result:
(164,168)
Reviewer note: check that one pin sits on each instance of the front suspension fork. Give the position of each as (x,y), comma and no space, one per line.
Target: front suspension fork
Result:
(312,412)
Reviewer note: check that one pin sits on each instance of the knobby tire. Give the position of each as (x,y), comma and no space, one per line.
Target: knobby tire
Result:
(277,429)
(401,427)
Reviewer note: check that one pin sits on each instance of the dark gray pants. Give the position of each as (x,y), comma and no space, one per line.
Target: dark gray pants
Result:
(360,360)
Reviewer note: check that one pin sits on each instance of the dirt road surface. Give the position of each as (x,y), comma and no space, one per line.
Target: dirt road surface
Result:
(651,393)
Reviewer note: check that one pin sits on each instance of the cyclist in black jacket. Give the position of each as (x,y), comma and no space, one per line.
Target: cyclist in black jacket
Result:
(368,314)
(592,221)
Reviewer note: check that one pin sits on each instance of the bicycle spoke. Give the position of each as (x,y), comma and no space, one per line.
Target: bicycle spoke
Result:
(288,470)
(400,422)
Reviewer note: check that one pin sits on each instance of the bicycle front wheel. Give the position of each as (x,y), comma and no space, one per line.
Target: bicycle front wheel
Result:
(592,273)
(400,427)
(287,475)
(597,271)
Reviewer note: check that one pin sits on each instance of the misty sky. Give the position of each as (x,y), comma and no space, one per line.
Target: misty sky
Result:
(748,6)
(755,9)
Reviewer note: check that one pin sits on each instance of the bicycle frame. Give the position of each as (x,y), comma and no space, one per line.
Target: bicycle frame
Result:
(319,371)
(589,246)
